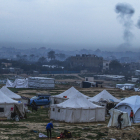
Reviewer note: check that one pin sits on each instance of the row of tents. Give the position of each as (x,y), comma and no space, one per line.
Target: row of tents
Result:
(73,106)
(11,102)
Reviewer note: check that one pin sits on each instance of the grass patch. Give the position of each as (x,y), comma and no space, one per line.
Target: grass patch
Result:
(11,126)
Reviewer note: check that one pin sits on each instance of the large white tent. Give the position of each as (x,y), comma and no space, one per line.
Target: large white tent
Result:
(14,96)
(131,103)
(71,92)
(76,110)
(10,94)
(104,96)
(114,118)
(7,106)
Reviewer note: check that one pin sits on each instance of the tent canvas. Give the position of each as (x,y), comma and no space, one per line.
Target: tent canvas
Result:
(104,96)
(7,105)
(114,118)
(71,92)
(9,93)
(131,103)
(77,109)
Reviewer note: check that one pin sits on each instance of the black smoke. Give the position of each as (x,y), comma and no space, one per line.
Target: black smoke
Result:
(125,12)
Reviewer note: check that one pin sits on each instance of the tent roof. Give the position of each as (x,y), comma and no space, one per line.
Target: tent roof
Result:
(104,95)
(5,99)
(71,92)
(78,101)
(9,93)
(133,102)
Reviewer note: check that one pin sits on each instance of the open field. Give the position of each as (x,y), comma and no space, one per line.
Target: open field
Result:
(35,123)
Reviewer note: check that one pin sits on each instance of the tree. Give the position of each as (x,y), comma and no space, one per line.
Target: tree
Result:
(115,67)
(42,60)
(51,55)
(32,57)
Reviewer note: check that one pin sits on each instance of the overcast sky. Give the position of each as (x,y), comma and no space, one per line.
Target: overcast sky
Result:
(81,24)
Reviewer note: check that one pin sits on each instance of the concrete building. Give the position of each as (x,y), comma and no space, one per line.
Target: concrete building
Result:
(106,65)
(87,61)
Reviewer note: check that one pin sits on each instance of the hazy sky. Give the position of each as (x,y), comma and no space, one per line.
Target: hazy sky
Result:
(82,23)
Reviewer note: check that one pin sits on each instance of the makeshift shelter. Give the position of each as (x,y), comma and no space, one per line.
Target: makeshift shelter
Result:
(76,110)
(7,106)
(41,82)
(114,118)
(18,83)
(71,92)
(14,96)
(131,103)
(9,83)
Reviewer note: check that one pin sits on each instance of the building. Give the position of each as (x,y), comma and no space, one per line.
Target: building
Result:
(86,61)
(106,65)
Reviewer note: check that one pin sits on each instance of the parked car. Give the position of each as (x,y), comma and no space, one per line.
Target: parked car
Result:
(40,100)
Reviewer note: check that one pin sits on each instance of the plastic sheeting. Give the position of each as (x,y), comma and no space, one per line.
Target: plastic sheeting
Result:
(114,118)
(18,83)
(41,82)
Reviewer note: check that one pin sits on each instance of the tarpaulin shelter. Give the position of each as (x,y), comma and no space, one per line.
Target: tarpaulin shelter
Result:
(114,118)
(18,83)
(76,110)
(71,92)
(131,103)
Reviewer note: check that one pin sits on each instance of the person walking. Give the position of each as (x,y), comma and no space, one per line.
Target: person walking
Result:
(132,116)
(48,128)
(119,120)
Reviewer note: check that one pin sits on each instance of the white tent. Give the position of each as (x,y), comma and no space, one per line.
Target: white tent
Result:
(10,94)
(14,96)
(104,96)
(114,118)
(71,92)
(77,109)
(131,103)
(7,106)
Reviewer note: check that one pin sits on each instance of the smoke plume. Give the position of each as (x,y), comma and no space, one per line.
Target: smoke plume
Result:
(138,23)
(125,12)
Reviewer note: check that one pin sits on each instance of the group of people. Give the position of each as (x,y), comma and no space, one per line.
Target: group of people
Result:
(120,119)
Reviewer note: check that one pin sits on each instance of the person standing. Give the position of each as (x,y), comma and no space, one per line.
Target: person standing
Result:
(48,128)
(119,120)
(132,116)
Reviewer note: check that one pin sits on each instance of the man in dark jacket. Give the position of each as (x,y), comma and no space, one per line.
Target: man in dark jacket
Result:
(119,120)
(48,128)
